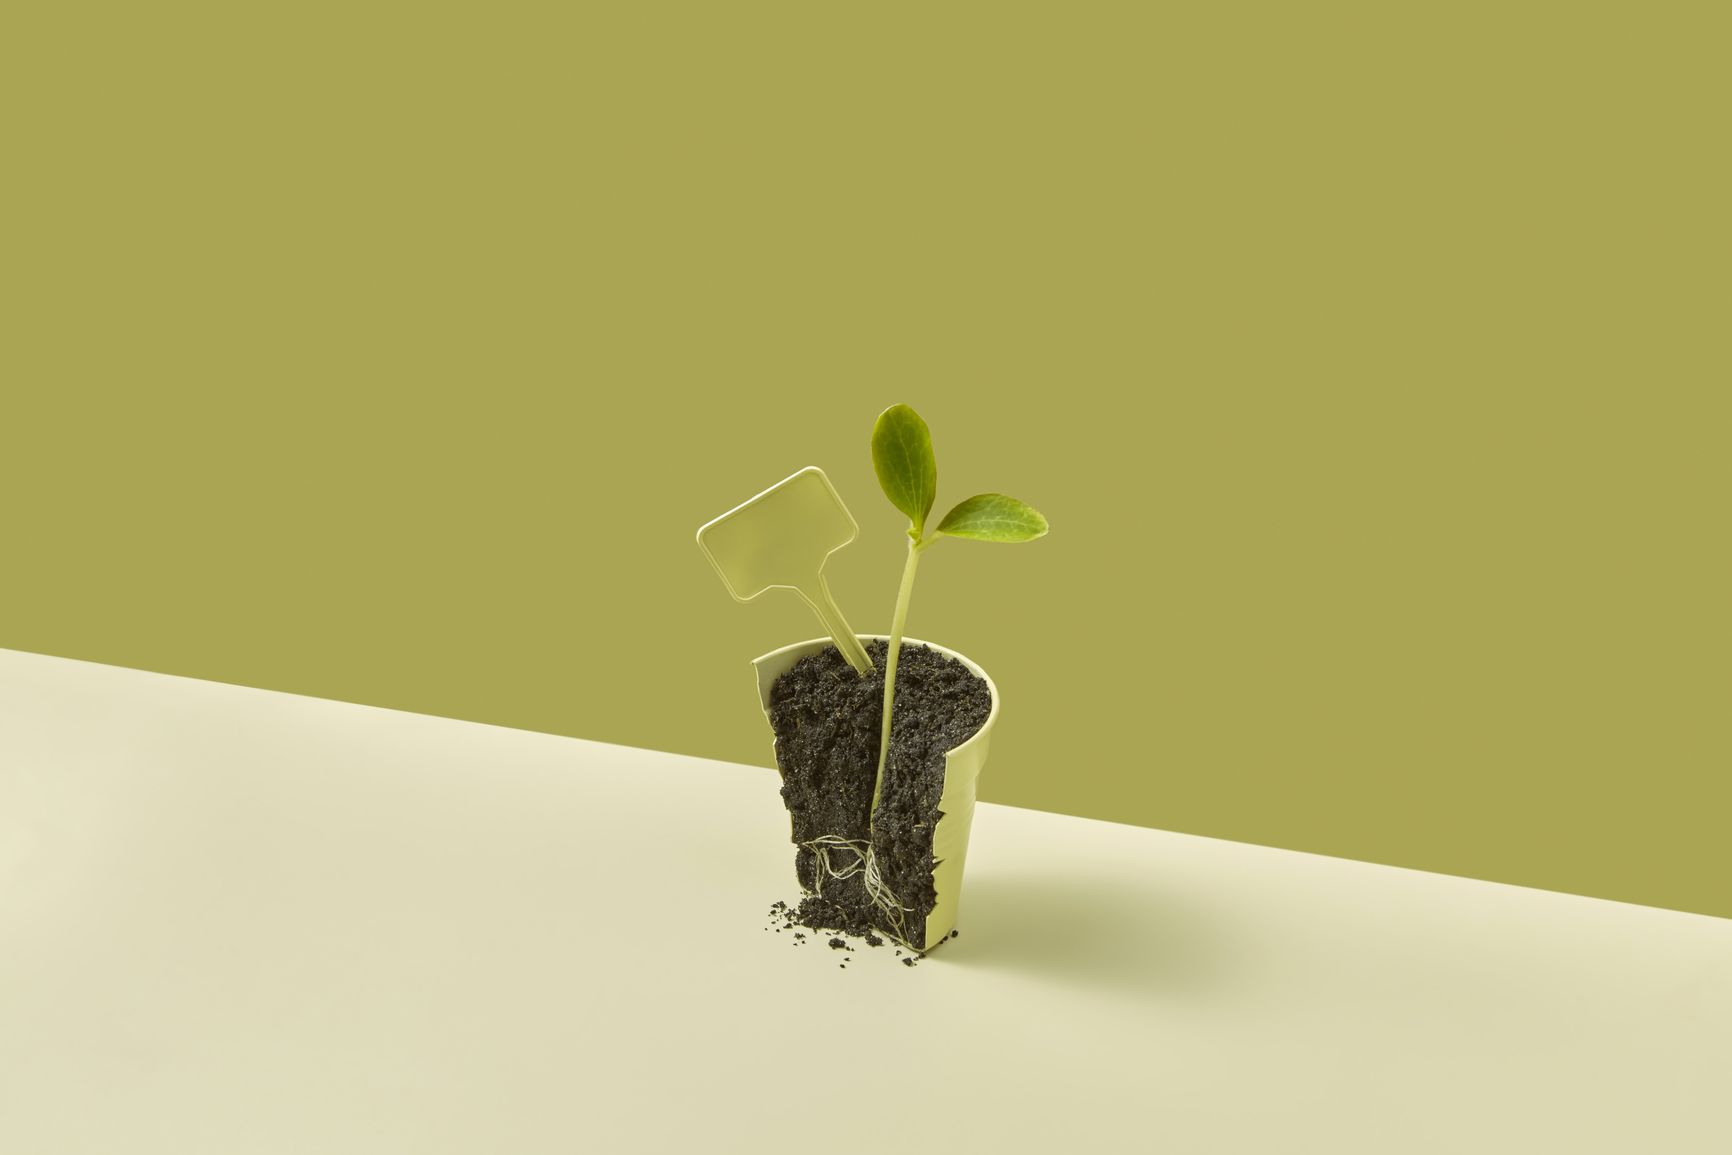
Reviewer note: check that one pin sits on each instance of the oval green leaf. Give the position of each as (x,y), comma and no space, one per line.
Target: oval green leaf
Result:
(902,455)
(994,517)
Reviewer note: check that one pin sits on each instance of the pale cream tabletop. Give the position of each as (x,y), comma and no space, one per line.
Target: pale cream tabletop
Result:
(238,922)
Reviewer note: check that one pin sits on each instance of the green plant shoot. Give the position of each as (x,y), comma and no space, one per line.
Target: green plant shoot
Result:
(908,473)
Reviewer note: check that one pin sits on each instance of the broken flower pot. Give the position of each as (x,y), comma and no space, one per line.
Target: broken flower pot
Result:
(898,869)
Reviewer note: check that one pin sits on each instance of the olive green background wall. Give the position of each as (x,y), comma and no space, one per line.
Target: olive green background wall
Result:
(1369,362)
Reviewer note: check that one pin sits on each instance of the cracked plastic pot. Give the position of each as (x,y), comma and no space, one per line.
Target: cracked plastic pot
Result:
(962,766)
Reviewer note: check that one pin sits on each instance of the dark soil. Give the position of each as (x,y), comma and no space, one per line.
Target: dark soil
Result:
(826,719)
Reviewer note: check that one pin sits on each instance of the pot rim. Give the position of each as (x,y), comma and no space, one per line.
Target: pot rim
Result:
(974,667)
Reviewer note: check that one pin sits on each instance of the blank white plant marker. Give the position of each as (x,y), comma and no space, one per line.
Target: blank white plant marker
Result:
(780,539)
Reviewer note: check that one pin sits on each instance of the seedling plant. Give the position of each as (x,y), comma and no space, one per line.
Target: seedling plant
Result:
(907,469)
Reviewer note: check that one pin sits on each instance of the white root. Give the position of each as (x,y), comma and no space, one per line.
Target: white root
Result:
(863,861)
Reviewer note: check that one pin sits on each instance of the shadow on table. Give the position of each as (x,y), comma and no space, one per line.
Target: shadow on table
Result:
(1090,931)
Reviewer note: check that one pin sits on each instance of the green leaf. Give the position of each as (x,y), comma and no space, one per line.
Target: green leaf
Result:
(902,455)
(993,517)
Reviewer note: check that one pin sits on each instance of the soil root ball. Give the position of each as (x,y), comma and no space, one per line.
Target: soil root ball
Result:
(826,721)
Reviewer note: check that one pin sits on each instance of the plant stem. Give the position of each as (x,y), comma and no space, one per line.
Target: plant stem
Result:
(903,594)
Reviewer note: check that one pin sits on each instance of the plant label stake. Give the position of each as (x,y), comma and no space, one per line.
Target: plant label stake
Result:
(780,539)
